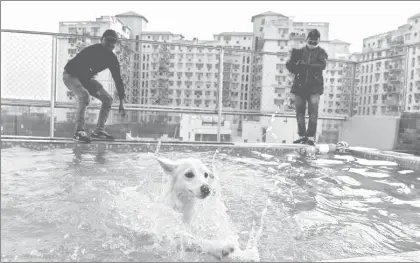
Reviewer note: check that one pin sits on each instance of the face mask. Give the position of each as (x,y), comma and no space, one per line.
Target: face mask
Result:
(312,44)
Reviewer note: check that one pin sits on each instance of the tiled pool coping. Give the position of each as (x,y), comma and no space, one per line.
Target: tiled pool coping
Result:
(406,160)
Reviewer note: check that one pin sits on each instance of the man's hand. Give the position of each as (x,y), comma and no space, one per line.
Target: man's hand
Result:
(302,63)
(121,109)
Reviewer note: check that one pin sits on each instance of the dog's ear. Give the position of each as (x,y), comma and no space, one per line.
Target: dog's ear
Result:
(167,165)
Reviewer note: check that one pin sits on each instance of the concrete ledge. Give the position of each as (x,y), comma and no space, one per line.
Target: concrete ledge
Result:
(137,146)
(403,159)
(413,256)
(408,161)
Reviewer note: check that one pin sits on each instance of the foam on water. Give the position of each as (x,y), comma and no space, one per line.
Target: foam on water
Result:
(375,162)
(406,172)
(327,161)
(364,172)
(347,158)
(348,180)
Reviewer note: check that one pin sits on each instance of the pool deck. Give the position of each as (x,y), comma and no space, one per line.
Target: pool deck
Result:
(413,256)
(408,161)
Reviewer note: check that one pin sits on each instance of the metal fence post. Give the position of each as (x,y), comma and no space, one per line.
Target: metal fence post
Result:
(53,83)
(352,88)
(220,95)
(405,84)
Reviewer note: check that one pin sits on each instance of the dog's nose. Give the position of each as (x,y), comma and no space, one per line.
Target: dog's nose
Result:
(205,190)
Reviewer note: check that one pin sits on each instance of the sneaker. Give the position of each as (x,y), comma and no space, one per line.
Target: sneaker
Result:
(310,142)
(81,136)
(301,140)
(101,135)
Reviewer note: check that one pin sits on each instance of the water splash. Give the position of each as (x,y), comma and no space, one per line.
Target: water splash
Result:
(158,146)
(270,127)
(251,252)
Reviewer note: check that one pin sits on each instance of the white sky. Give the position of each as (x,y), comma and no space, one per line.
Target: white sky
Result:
(349,21)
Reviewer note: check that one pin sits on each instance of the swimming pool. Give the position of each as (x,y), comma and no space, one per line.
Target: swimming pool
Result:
(102,205)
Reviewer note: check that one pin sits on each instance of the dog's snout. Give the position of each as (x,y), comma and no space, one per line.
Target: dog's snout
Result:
(205,190)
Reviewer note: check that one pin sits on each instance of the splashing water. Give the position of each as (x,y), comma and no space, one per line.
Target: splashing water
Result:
(270,127)
(250,252)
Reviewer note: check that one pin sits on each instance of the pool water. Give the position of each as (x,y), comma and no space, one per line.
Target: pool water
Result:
(75,205)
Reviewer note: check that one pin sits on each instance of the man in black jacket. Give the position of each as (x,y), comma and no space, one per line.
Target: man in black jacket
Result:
(307,63)
(79,75)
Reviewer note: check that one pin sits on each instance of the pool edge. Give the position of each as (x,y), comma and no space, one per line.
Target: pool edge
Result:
(408,161)
(405,160)
(412,256)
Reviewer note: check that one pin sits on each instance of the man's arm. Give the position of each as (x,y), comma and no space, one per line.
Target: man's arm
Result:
(116,75)
(291,64)
(321,62)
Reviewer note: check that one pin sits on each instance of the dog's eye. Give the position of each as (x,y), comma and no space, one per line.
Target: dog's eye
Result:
(206,175)
(189,175)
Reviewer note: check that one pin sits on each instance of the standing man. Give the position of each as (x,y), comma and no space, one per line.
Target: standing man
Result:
(79,75)
(307,63)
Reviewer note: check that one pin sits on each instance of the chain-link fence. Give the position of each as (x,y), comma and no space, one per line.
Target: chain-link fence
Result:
(26,66)
(169,76)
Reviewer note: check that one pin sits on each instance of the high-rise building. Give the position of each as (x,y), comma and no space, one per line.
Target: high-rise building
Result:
(412,36)
(173,73)
(387,75)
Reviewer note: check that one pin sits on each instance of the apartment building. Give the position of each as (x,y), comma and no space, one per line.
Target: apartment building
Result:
(387,77)
(412,36)
(68,47)
(174,75)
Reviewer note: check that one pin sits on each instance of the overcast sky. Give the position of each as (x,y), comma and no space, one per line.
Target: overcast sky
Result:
(349,21)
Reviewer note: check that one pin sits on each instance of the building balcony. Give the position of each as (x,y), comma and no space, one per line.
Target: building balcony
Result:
(392,103)
(395,80)
(396,42)
(395,90)
(395,69)
(297,35)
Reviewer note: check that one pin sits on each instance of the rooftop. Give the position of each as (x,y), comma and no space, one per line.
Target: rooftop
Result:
(338,41)
(268,13)
(415,16)
(131,13)
(235,34)
(157,33)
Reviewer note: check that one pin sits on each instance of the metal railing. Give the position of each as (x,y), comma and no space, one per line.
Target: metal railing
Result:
(22,74)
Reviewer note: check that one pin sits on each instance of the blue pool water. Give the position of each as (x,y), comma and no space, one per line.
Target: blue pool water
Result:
(75,205)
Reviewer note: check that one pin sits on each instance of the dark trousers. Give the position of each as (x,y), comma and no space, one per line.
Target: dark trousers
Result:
(74,84)
(313,105)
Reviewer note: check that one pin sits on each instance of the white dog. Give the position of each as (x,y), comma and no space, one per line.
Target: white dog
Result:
(190,182)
